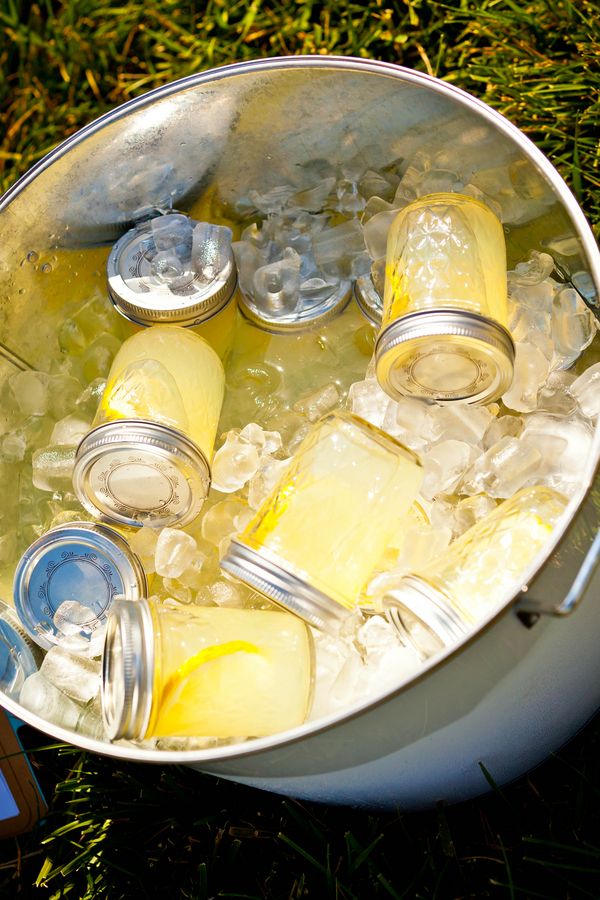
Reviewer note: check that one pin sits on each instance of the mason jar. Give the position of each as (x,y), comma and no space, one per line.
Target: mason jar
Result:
(444,330)
(316,539)
(204,671)
(174,270)
(19,656)
(67,580)
(147,458)
(436,607)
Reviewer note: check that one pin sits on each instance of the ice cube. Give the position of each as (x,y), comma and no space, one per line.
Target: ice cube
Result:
(264,481)
(530,371)
(171,231)
(349,198)
(211,250)
(78,630)
(507,466)
(437,181)
(375,184)
(52,468)
(248,260)
(273,200)
(317,403)
(564,445)
(77,677)
(143,543)
(234,464)
(460,423)
(367,400)
(470,510)
(176,589)
(555,396)
(225,593)
(222,520)
(410,421)
(168,269)
(98,357)
(336,246)
(573,327)
(46,701)
(276,287)
(317,289)
(586,390)
(313,199)
(69,431)
(88,400)
(175,551)
(30,392)
(504,426)
(63,391)
(376,231)
(536,269)
(265,441)
(445,464)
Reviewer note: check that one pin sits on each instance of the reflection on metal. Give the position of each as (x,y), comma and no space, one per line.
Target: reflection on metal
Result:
(14,359)
(563,276)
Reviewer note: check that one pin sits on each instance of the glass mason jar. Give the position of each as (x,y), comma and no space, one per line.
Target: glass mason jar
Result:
(173,270)
(67,580)
(444,330)
(19,656)
(436,607)
(204,671)
(316,539)
(146,459)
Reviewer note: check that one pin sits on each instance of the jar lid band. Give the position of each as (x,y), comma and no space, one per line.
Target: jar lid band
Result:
(128,670)
(269,577)
(136,473)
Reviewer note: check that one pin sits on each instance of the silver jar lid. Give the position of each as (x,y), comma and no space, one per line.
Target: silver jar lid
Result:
(19,656)
(184,285)
(302,317)
(423,617)
(284,588)
(136,473)
(128,670)
(445,355)
(67,580)
(368,298)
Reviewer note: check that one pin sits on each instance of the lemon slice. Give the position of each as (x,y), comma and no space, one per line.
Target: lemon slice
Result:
(192,664)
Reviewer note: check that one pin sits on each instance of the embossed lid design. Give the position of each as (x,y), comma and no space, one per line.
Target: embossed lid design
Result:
(67,580)
(172,270)
(134,472)
(445,355)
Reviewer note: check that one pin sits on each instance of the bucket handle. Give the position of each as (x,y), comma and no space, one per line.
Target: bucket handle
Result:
(529,609)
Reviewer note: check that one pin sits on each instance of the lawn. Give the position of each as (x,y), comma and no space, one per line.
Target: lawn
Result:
(130,831)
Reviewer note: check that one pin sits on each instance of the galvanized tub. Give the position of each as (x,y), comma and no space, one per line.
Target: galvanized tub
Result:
(530,677)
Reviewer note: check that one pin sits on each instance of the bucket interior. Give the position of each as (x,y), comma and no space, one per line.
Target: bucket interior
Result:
(199,145)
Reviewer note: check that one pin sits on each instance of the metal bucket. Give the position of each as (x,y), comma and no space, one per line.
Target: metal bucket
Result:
(530,677)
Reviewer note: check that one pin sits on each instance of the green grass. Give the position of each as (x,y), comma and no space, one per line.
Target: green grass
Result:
(131,831)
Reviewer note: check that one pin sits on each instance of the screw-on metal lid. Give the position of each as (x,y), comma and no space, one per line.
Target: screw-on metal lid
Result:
(370,301)
(67,580)
(284,588)
(128,670)
(423,617)
(19,656)
(149,298)
(304,317)
(444,355)
(140,473)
